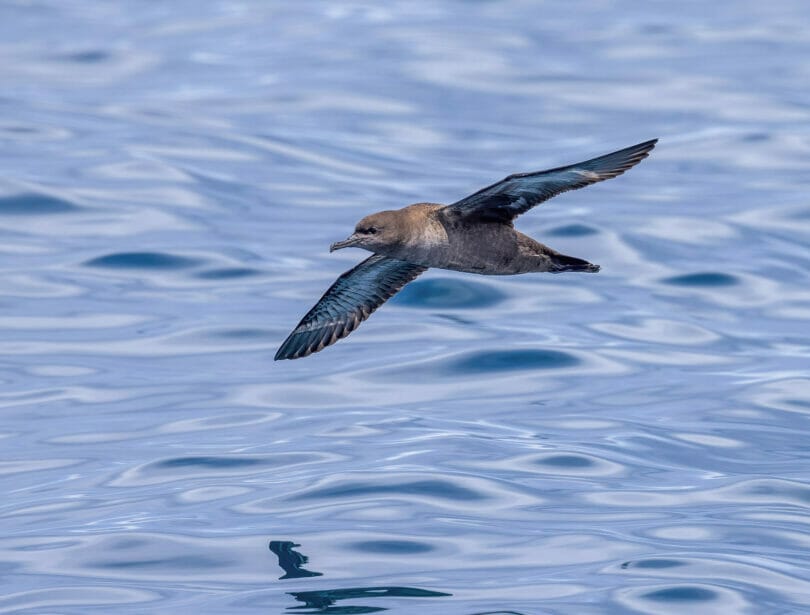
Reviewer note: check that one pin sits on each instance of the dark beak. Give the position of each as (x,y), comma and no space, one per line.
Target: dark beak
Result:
(346,243)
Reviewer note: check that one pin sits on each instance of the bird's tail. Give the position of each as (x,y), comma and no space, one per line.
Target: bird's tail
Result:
(561,263)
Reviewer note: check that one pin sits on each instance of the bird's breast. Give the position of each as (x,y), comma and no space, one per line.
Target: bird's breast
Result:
(425,244)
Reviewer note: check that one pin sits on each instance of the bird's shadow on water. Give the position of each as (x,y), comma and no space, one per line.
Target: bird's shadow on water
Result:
(323,600)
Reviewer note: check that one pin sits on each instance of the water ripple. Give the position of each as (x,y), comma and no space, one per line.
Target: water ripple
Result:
(707,279)
(30,204)
(509,360)
(78,597)
(448,294)
(698,598)
(142,260)
(188,468)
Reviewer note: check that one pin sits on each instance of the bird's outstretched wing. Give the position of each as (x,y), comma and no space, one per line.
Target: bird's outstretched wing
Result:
(347,303)
(510,197)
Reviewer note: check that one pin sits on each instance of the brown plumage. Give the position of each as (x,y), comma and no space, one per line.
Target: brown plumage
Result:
(474,235)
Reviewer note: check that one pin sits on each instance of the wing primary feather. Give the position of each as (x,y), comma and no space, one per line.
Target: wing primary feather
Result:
(505,200)
(349,301)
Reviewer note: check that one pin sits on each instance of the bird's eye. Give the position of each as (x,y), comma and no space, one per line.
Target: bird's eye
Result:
(371,230)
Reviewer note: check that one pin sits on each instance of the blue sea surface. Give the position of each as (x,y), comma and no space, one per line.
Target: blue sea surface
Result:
(635,441)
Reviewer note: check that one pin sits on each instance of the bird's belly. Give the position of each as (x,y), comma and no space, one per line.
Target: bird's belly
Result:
(487,268)
(486,249)
(485,259)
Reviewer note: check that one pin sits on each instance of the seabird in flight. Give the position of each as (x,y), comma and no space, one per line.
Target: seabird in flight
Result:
(475,235)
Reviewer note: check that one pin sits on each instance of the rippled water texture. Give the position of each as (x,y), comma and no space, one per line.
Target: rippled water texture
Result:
(633,441)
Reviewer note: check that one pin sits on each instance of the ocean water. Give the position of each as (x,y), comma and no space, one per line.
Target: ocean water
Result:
(172,175)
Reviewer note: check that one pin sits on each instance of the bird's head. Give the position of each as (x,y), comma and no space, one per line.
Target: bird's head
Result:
(372,233)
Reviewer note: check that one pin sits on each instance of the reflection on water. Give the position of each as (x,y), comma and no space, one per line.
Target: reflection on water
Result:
(291,561)
(322,601)
(632,441)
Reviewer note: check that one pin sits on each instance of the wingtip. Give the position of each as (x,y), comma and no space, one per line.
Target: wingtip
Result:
(289,354)
(284,352)
(644,146)
(648,145)
(618,162)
